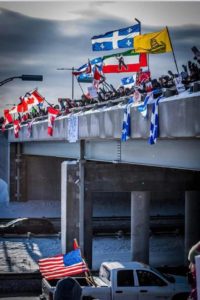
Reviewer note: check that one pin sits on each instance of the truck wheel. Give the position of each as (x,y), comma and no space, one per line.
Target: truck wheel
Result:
(182,296)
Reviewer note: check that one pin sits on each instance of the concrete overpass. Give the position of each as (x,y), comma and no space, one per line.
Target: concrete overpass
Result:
(43,167)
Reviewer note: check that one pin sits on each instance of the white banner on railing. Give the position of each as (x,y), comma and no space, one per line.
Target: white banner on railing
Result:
(72,129)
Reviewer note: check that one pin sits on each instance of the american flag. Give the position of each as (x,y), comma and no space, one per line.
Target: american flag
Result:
(62,265)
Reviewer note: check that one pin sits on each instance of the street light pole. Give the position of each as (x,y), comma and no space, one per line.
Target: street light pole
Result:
(72,83)
(23,77)
(72,70)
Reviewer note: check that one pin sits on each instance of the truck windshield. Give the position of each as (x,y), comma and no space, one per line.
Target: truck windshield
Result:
(168,277)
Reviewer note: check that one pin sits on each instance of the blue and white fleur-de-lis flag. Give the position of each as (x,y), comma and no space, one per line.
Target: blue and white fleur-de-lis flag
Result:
(121,38)
(143,108)
(154,125)
(126,125)
(128,81)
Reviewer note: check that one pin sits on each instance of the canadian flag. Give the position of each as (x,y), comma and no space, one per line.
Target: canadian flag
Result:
(7,116)
(22,107)
(17,128)
(52,114)
(7,119)
(27,102)
(34,98)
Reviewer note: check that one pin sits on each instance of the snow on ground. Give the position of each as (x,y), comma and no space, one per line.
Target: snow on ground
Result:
(22,254)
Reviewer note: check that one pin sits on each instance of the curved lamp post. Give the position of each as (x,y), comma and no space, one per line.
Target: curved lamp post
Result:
(23,77)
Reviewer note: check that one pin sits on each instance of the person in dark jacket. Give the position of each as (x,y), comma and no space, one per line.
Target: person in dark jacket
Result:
(194,251)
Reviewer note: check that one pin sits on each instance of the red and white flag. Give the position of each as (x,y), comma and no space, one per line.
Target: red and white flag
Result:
(31,99)
(97,77)
(8,116)
(34,98)
(17,128)
(128,61)
(52,114)
(7,119)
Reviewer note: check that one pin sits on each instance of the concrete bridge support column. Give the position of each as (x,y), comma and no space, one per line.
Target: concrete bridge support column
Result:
(140,205)
(69,204)
(76,209)
(192,215)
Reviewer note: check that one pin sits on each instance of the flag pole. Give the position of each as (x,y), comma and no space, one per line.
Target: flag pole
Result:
(88,273)
(140,32)
(172,50)
(72,83)
(69,69)
(80,86)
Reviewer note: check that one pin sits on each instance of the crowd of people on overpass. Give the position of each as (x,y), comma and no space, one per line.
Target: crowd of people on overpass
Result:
(164,85)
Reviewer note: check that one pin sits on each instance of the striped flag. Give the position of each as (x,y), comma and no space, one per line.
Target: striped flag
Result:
(62,265)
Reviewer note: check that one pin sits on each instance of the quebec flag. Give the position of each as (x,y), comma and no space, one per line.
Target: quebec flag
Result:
(126,125)
(88,78)
(121,38)
(95,61)
(128,81)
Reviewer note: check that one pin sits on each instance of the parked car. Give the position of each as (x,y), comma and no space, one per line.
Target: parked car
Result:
(24,225)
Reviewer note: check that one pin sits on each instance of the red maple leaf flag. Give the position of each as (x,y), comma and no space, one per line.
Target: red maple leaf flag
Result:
(7,119)
(7,116)
(52,114)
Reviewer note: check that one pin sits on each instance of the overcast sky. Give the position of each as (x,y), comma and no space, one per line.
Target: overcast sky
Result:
(39,37)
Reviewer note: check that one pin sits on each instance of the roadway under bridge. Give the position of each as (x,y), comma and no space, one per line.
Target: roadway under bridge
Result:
(98,165)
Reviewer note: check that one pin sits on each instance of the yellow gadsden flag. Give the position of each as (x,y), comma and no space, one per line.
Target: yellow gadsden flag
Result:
(155,42)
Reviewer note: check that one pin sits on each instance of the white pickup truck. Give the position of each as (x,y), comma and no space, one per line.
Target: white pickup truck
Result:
(128,281)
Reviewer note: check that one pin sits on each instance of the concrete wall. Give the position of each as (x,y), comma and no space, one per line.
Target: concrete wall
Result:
(118,204)
(43,177)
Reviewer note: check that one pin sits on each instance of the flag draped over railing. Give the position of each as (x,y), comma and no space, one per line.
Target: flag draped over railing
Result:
(126,126)
(17,127)
(52,114)
(143,107)
(154,126)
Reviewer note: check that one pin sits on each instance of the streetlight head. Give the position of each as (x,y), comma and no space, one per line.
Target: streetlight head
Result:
(32,77)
